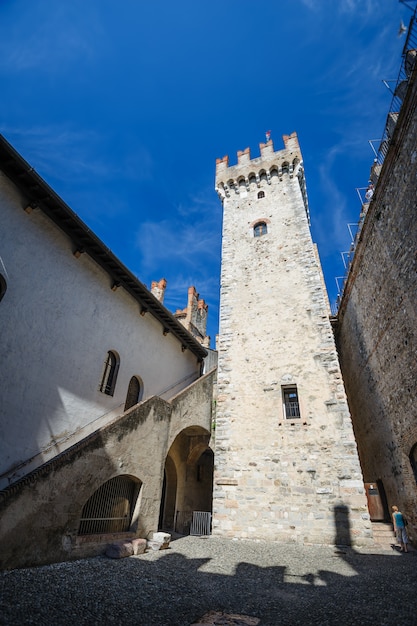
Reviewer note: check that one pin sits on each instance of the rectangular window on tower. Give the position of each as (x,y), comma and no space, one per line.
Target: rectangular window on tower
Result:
(291,403)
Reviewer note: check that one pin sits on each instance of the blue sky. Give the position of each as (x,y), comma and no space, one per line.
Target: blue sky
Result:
(123,107)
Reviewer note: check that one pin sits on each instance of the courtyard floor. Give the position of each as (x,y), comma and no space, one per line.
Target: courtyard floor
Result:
(273,584)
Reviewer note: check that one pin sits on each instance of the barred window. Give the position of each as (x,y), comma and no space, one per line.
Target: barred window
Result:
(111,507)
(111,368)
(261,194)
(291,403)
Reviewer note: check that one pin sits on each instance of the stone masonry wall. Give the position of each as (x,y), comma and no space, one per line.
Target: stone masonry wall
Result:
(377,334)
(296,480)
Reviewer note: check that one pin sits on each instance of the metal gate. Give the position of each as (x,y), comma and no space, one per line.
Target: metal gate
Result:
(109,510)
(201,523)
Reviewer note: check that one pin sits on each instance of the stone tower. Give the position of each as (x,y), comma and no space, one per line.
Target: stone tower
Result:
(287,466)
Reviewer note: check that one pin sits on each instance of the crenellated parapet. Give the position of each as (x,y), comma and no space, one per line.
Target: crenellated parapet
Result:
(271,167)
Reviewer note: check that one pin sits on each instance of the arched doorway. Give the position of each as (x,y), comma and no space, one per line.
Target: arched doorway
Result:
(188,480)
(169,492)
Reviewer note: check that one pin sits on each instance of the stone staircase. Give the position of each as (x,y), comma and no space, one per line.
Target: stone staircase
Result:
(383,534)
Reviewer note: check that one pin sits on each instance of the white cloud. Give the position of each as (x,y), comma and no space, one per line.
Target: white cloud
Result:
(62,152)
(37,40)
(172,241)
(342,6)
(59,151)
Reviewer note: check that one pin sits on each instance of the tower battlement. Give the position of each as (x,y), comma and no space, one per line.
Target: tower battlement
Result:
(267,153)
(250,175)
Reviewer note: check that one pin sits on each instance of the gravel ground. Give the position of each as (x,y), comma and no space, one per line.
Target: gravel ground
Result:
(278,584)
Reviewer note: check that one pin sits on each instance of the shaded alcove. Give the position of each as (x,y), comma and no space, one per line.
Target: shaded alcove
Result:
(188,480)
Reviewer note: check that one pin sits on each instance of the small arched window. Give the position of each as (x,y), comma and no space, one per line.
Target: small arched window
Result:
(111,368)
(252,180)
(134,392)
(3,286)
(261,194)
(260,229)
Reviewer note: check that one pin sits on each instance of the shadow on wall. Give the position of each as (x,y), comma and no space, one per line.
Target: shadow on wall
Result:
(342,524)
(91,489)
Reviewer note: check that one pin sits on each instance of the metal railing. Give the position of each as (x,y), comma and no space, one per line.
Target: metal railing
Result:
(399,90)
(201,523)
(292,409)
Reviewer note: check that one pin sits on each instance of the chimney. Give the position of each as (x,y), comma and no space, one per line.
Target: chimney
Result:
(158,289)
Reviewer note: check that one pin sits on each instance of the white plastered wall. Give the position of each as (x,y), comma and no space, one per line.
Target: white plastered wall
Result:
(58,319)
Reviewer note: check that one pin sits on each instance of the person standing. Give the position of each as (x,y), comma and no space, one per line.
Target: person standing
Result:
(399,528)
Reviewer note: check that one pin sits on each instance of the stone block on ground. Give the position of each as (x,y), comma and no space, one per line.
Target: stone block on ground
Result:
(158,541)
(119,549)
(139,546)
(163,538)
(153,545)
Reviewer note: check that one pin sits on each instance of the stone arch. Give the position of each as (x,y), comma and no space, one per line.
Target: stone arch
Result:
(168,499)
(285,167)
(111,508)
(274,174)
(232,185)
(188,479)
(252,181)
(241,182)
(263,176)
(258,220)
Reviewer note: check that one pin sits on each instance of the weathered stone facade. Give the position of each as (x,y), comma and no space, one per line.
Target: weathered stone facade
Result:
(279,476)
(40,514)
(377,323)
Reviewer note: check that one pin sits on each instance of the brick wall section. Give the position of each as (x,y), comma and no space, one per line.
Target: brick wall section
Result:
(377,334)
(275,478)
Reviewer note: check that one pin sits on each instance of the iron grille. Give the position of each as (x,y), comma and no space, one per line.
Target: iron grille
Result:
(292,409)
(110,508)
(201,523)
